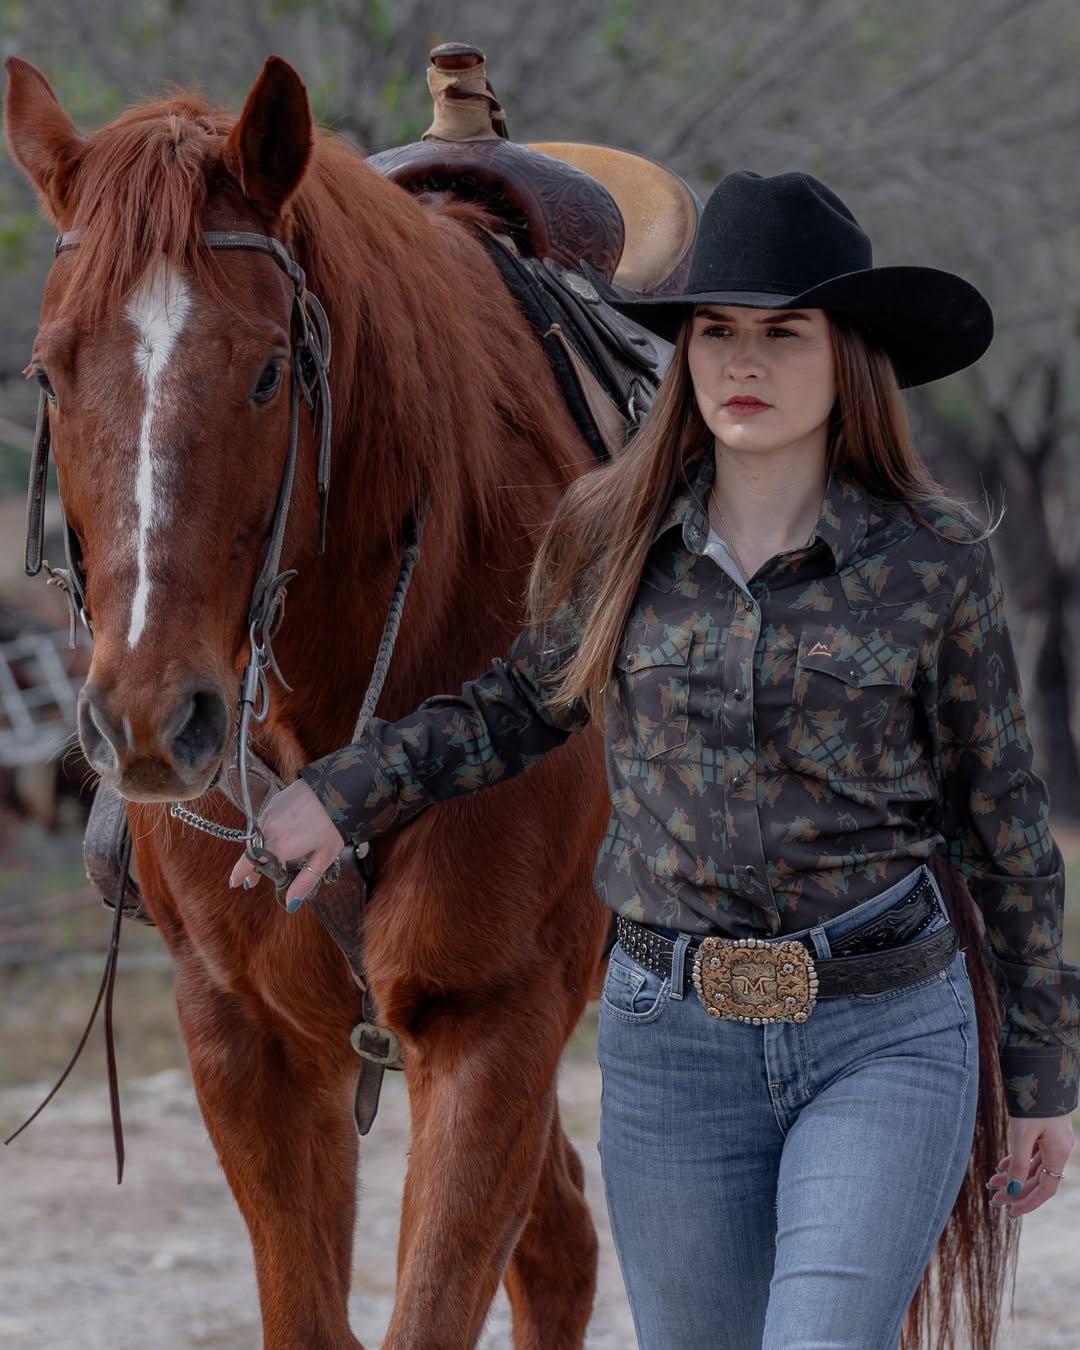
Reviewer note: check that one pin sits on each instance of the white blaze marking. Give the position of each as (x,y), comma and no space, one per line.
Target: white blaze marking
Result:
(157,310)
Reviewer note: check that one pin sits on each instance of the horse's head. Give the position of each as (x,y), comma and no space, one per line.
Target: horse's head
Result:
(167,374)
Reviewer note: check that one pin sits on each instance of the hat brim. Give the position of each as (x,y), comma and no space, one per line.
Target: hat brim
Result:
(930,323)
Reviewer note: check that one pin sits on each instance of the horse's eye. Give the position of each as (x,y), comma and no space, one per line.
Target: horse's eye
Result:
(268,383)
(43,380)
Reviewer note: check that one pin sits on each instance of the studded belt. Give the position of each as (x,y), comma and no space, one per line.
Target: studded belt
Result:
(759,981)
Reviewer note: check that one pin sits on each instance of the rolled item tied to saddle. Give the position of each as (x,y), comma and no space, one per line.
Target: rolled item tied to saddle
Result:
(466,108)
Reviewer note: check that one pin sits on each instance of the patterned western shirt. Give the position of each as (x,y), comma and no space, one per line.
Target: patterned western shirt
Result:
(778,751)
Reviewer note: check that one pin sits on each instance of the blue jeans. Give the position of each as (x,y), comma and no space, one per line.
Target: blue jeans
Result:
(782,1187)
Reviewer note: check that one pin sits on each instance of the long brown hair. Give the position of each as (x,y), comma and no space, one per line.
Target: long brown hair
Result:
(594,550)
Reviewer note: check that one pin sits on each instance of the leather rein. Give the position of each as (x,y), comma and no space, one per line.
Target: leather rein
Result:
(376,1045)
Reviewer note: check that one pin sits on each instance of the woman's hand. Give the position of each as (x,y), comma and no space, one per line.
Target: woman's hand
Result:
(1034,1143)
(294,825)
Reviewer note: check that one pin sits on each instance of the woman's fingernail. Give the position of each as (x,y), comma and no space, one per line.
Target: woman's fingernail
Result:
(991,1187)
(1014,1187)
(294,904)
(248,883)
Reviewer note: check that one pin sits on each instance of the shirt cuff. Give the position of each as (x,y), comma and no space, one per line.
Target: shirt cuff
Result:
(1039,1081)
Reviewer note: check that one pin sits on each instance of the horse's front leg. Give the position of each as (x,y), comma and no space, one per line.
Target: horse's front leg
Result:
(551,1278)
(279,1115)
(485,1136)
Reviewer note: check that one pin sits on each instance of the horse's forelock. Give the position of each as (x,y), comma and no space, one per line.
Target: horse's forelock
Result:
(138,197)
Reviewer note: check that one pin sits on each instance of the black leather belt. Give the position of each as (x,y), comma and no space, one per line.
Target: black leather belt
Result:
(778,980)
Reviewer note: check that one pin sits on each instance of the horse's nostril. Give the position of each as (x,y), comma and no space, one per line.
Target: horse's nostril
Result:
(94,735)
(204,732)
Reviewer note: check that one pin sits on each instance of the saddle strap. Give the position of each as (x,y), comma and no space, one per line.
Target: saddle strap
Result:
(35,497)
(103,853)
(607,368)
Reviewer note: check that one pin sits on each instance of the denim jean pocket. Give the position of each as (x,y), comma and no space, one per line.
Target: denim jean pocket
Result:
(631,993)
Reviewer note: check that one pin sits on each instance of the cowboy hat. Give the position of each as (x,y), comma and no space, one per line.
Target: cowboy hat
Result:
(788,242)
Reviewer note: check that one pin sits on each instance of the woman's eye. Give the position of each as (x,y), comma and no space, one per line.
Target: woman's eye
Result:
(268,383)
(716,330)
(781,332)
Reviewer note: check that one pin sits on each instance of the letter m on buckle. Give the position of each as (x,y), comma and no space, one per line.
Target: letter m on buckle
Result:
(755,981)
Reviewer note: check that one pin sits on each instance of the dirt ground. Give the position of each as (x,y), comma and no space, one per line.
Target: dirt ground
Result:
(162,1262)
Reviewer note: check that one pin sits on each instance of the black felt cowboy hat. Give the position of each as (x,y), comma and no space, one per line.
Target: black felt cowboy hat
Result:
(789,242)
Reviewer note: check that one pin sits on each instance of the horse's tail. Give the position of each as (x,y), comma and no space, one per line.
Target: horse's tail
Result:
(960,1300)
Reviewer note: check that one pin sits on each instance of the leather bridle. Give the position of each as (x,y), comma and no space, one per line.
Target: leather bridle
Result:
(309,383)
(310,363)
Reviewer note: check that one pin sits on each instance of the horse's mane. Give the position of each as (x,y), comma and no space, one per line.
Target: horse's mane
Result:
(449,377)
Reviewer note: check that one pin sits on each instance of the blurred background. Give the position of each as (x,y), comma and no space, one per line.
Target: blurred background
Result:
(953,132)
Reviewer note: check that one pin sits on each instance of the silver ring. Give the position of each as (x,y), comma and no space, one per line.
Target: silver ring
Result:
(1059,1175)
(312,871)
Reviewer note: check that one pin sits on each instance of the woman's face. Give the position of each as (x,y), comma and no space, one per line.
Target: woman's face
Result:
(765,379)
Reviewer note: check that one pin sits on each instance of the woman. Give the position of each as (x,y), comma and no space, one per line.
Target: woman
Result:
(797,651)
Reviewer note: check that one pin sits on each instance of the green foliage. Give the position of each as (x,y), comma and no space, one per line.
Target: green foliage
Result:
(954,402)
(14,470)
(277,10)
(17,229)
(613,29)
(380,22)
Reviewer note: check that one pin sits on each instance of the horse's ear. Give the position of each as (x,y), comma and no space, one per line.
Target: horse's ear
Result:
(42,138)
(269,147)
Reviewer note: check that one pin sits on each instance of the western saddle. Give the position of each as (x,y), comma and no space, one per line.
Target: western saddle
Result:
(568,222)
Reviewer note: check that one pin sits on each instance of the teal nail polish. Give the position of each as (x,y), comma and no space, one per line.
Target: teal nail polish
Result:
(248,883)
(1013,1188)
(294,904)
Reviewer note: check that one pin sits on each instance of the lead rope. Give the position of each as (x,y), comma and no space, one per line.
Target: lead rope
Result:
(409,556)
(377,1046)
(105,991)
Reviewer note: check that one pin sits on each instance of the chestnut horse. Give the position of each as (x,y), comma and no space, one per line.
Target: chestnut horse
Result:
(166,370)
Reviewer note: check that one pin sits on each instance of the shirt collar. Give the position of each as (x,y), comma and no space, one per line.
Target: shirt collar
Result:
(841,523)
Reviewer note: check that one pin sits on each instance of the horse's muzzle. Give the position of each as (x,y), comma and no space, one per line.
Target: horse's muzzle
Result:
(170,752)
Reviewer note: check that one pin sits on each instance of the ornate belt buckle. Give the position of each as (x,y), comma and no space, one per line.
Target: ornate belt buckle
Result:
(750,980)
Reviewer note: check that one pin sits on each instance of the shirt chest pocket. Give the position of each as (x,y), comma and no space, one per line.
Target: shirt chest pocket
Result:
(652,677)
(853,705)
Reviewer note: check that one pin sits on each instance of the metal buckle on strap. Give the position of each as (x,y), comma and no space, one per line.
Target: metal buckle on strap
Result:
(750,980)
(379,1045)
